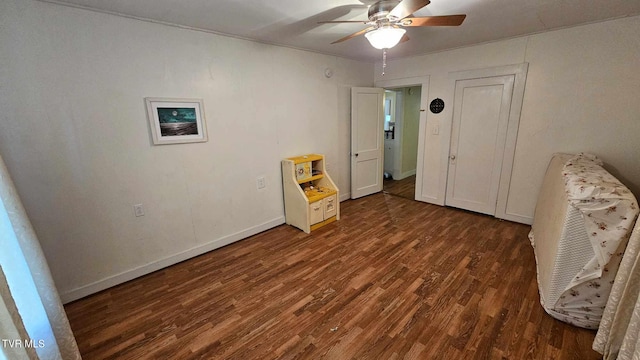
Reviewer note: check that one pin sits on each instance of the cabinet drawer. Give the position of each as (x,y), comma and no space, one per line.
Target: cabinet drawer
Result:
(316,213)
(330,206)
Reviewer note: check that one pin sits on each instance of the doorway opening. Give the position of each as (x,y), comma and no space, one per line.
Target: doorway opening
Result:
(401,130)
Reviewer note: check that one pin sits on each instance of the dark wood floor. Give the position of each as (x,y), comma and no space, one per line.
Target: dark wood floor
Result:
(405,188)
(393,279)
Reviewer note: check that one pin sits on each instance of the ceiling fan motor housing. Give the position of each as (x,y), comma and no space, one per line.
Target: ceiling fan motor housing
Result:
(388,17)
(380,11)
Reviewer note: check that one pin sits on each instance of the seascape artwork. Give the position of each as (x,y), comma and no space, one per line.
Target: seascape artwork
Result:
(177,121)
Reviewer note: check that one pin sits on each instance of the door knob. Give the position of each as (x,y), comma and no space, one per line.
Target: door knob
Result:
(356,154)
(453,157)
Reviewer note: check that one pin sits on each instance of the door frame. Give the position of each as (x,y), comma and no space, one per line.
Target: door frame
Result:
(422,81)
(519,71)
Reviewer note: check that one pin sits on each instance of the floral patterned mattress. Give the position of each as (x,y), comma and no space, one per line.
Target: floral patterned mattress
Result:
(583,220)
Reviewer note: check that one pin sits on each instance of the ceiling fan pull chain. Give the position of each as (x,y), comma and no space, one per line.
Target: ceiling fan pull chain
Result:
(384,60)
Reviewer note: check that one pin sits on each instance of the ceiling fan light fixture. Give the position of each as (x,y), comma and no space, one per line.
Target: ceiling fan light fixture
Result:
(385,37)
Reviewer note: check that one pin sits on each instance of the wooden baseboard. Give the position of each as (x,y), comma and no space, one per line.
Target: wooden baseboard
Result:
(110,281)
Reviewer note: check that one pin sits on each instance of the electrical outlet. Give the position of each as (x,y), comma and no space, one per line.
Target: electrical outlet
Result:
(138,210)
(261,182)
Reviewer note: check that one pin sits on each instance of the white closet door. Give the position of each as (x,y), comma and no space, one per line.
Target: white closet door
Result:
(479,131)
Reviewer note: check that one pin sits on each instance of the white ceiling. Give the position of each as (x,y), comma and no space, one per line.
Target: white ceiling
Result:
(294,22)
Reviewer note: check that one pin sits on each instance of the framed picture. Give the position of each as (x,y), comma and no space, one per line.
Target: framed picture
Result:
(176,121)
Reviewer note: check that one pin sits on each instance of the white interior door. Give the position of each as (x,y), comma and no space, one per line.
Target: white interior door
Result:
(478,135)
(367,144)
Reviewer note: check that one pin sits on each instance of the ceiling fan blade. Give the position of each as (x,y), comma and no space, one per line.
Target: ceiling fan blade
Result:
(361,32)
(404,38)
(408,7)
(344,21)
(447,20)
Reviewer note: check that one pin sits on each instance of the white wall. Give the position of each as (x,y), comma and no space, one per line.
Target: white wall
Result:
(75,136)
(582,94)
(410,129)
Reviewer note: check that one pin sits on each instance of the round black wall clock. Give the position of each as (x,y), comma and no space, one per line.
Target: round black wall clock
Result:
(436,106)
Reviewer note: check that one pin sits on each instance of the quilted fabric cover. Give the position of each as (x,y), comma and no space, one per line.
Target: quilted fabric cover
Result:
(609,210)
(580,243)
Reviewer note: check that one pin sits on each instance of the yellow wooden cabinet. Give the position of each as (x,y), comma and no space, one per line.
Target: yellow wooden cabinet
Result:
(311,198)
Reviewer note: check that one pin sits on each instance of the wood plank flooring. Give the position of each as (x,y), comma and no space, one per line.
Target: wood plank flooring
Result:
(405,188)
(393,279)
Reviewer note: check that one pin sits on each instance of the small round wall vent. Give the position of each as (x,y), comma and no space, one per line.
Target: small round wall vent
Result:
(436,106)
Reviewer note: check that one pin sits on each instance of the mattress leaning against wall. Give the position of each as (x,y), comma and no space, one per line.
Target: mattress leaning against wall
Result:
(581,226)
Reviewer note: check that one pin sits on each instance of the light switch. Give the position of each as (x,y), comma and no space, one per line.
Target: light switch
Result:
(435,130)
(260,182)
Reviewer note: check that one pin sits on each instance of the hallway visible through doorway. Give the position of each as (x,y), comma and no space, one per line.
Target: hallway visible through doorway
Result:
(405,188)
(401,125)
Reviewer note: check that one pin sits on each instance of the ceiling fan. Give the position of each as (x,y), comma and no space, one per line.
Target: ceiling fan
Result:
(388,17)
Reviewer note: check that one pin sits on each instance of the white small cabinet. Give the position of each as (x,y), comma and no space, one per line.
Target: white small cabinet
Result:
(310,196)
(330,206)
(316,212)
